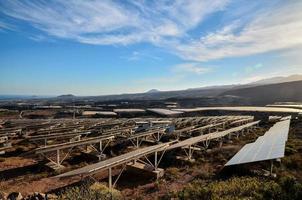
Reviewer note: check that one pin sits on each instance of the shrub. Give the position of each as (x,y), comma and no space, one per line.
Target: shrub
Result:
(94,192)
(291,188)
(195,191)
(293,162)
(289,150)
(172,173)
(234,188)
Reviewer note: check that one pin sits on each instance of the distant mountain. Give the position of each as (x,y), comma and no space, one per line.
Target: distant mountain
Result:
(66,96)
(278,79)
(214,87)
(209,91)
(21,97)
(268,94)
(153,91)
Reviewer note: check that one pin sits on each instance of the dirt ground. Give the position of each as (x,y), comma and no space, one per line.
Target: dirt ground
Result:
(27,175)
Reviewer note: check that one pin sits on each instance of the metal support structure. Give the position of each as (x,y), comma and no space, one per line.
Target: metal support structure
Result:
(220,142)
(110,177)
(58,160)
(237,134)
(242,132)
(189,153)
(101,146)
(271,168)
(58,157)
(119,175)
(155,161)
(206,144)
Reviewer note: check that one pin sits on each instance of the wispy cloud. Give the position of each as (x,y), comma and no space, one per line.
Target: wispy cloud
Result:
(192,67)
(138,55)
(280,71)
(274,29)
(253,68)
(167,24)
(40,38)
(6,26)
(178,75)
(108,22)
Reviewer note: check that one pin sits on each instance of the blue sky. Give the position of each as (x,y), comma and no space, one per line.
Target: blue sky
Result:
(52,47)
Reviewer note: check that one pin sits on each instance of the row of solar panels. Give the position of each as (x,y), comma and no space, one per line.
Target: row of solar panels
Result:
(267,147)
(124,158)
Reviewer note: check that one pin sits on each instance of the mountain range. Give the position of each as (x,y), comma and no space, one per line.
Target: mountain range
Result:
(262,91)
(209,91)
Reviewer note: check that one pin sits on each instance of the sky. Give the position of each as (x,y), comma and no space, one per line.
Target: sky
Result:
(99,47)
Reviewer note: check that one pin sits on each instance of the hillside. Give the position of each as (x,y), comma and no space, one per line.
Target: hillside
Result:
(279,79)
(266,94)
(208,91)
(160,95)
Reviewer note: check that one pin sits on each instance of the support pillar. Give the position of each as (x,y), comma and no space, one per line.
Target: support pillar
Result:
(272,166)
(155,161)
(110,178)
(101,146)
(58,156)
(190,153)
(220,143)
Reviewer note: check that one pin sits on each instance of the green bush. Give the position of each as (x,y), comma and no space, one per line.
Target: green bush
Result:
(235,188)
(94,192)
(270,190)
(293,162)
(172,173)
(292,190)
(194,191)
(289,150)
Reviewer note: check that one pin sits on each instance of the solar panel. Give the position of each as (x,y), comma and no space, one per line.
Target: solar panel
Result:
(166,112)
(210,136)
(267,147)
(242,109)
(124,158)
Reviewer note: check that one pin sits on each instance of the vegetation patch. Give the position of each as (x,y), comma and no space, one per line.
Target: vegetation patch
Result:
(241,188)
(95,191)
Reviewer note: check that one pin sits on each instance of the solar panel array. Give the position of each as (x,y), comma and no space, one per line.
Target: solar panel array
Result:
(242,109)
(111,162)
(267,147)
(210,136)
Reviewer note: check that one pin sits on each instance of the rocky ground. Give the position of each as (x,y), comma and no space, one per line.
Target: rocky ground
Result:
(24,178)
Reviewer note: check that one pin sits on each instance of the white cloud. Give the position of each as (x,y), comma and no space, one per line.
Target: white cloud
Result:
(194,68)
(278,71)
(178,75)
(274,29)
(138,55)
(253,68)
(6,26)
(108,22)
(166,24)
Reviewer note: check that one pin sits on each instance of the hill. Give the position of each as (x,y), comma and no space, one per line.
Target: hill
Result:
(153,91)
(197,93)
(266,94)
(66,96)
(279,79)
(208,91)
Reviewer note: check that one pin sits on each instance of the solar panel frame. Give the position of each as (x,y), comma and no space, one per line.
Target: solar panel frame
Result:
(267,147)
(115,161)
